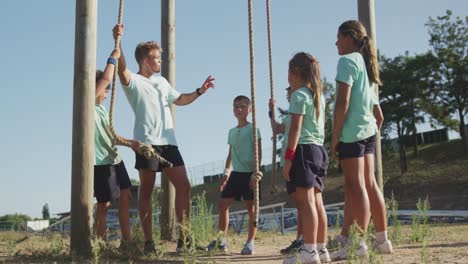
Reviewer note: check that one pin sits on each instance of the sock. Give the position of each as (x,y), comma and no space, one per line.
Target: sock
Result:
(251,242)
(321,246)
(381,237)
(299,238)
(362,242)
(310,247)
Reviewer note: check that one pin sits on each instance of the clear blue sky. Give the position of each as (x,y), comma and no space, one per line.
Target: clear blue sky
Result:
(37,50)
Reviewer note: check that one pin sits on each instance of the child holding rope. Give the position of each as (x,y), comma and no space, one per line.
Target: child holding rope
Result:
(354,136)
(111,179)
(282,128)
(237,183)
(306,160)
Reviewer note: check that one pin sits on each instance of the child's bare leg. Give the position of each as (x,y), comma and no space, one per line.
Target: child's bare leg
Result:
(299,217)
(377,202)
(306,199)
(322,218)
(223,210)
(124,214)
(101,214)
(252,228)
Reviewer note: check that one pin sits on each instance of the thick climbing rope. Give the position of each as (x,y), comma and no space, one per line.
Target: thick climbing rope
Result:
(257,175)
(273,188)
(145,150)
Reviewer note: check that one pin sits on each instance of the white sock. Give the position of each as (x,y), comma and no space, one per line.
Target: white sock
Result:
(299,238)
(321,246)
(250,242)
(381,237)
(310,247)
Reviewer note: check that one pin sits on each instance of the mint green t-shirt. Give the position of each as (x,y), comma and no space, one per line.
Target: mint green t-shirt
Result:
(284,144)
(312,129)
(360,122)
(151,99)
(105,150)
(241,141)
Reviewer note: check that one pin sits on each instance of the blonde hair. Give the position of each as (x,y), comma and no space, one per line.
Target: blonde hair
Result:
(144,48)
(307,68)
(367,48)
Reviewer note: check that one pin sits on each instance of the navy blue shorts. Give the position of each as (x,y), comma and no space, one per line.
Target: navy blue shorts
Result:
(357,149)
(169,152)
(238,187)
(102,176)
(309,167)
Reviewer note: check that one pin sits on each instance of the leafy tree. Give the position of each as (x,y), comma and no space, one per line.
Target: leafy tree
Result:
(45,211)
(404,85)
(15,222)
(448,38)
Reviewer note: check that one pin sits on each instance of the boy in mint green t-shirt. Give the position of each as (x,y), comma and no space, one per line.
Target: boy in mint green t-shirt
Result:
(238,184)
(111,180)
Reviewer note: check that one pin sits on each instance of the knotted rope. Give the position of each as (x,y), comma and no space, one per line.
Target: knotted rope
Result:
(257,174)
(273,188)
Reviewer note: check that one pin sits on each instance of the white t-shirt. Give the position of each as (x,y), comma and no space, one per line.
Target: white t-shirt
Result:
(150,100)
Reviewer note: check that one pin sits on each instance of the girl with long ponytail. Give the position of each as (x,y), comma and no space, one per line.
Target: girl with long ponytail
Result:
(306,160)
(357,120)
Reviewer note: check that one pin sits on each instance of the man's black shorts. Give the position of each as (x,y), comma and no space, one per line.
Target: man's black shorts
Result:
(169,152)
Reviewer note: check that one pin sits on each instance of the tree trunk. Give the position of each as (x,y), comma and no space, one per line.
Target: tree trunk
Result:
(402,150)
(462,128)
(415,132)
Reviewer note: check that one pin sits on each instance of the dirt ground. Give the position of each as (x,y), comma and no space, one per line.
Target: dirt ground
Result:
(445,244)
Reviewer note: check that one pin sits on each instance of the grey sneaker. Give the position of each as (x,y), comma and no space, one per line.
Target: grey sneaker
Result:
(217,245)
(324,256)
(384,247)
(293,248)
(248,249)
(304,256)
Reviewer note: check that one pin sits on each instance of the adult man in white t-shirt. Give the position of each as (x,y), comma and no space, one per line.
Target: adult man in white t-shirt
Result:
(150,98)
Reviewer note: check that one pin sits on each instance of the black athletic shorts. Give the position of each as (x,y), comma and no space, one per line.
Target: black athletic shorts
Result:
(309,167)
(238,187)
(169,152)
(107,176)
(357,149)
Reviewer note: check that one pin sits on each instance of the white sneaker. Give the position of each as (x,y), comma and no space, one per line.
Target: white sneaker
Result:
(384,247)
(304,257)
(324,256)
(342,254)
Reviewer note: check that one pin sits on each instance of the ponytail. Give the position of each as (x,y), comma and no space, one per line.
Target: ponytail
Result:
(369,53)
(316,86)
(307,68)
(367,48)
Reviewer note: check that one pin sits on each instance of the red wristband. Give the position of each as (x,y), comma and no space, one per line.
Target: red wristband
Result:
(289,154)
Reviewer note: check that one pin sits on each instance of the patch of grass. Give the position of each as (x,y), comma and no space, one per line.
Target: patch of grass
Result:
(395,235)
(419,224)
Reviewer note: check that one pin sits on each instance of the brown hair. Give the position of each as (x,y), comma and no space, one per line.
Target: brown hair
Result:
(242,98)
(307,68)
(358,33)
(144,48)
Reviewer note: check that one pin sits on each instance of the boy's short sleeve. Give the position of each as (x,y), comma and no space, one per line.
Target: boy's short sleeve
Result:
(229,137)
(298,104)
(346,71)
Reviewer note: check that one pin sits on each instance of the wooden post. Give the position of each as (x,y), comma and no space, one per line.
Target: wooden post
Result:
(84,84)
(167,218)
(366,16)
